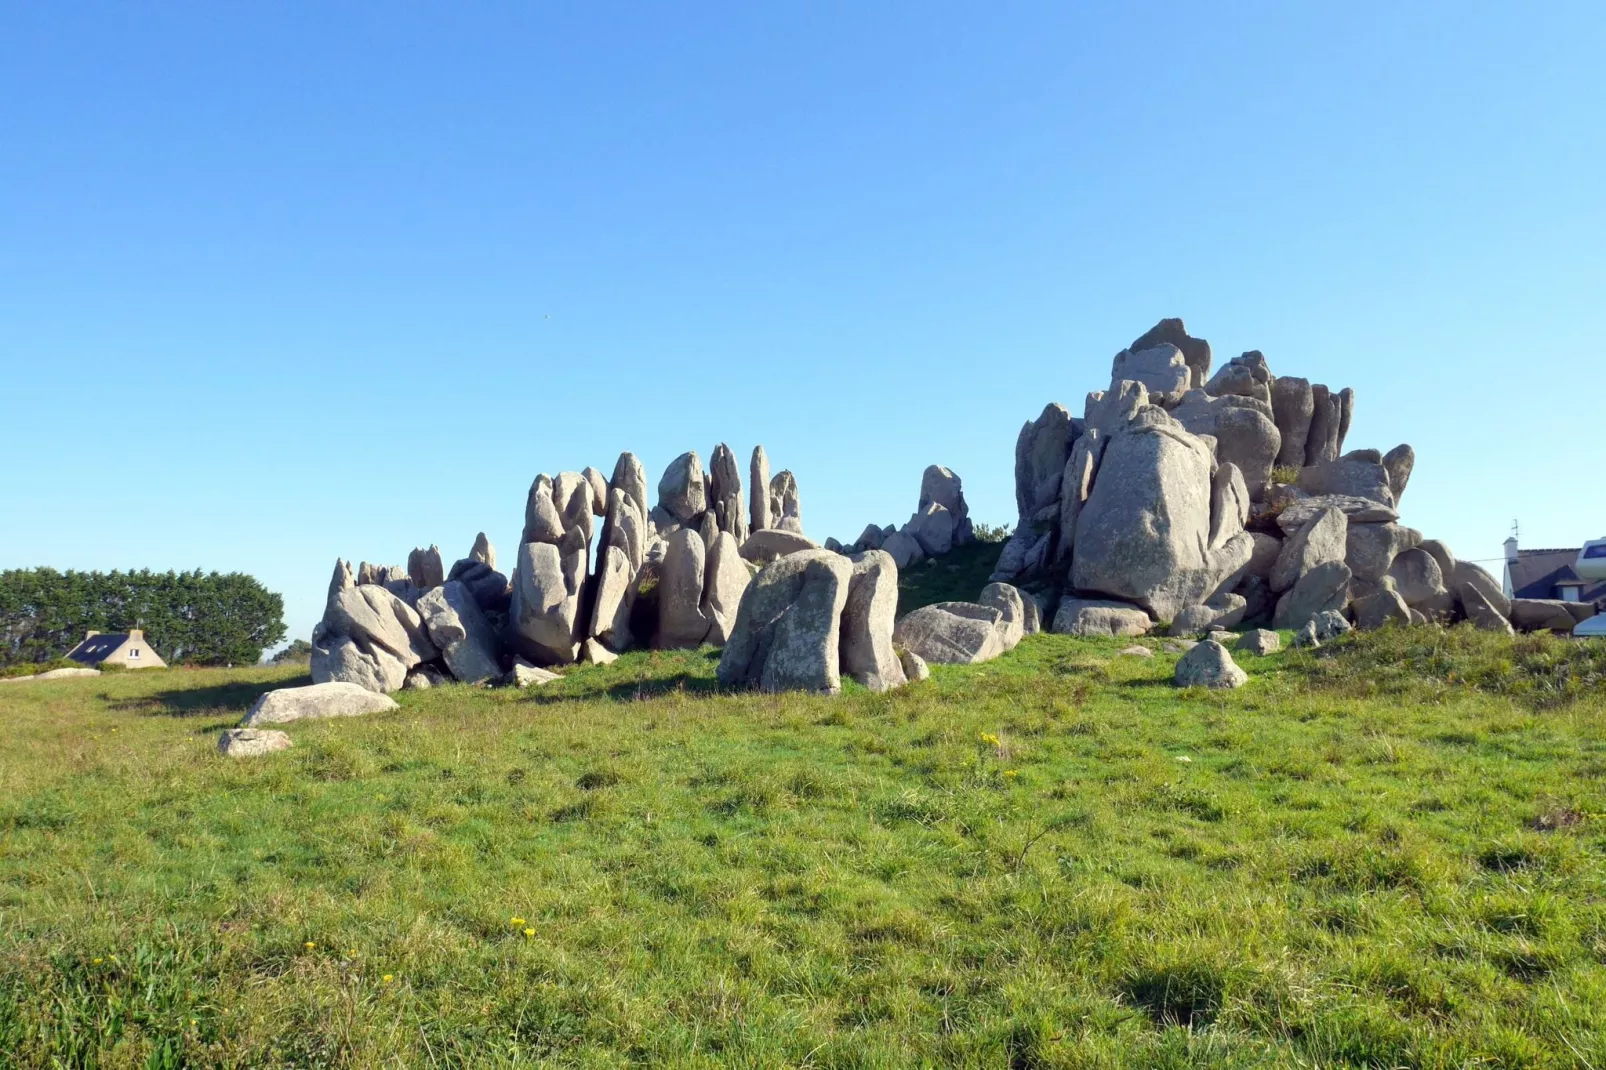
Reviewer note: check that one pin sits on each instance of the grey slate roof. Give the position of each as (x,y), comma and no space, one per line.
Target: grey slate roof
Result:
(1535,574)
(94,649)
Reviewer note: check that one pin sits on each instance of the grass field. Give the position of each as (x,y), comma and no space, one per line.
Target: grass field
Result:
(1391,852)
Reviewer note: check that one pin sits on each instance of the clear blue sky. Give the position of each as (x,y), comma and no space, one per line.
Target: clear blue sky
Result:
(285,282)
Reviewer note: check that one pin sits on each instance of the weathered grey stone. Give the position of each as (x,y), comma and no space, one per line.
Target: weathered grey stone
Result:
(1245,433)
(424,678)
(952,633)
(914,666)
(377,618)
(1370,549)
(1325,587)
(344,659)
(1011,606)
(933,528)
(725,578)
(1091,616)
(1321,443)
(1136,652)
(765,546)
(1040,454)
(1178,646)
(342,580)
(1348,476)
(593,652)
(1398,463)
(1076,484)
(598,485)
(335,699)
(466,640)
(867,653)
(1260,642)
(1245,376)
(758,477)
(682,622)
(681,492)
(1416,576)
(545,608)
(905,550)
(251,742)
(1292,406)
(1144,534)
(543,520)
(615,597)
(1229,510)
(871,539)
(1381,606)
(1359,511)
(725,493)
(1222,612)
(1544,614)
(1441,554)
(1479,608)
(1469,574)
(1330,624)
(941,486)
(1346,412)
(483,551)
(1111,410)
(1305,636)
(1209,665)
(788,629)
(1171,331)
(489,587)
(786,507)
(1162,369)
(425,569)
(630,476)
(1263,554)
(526,675)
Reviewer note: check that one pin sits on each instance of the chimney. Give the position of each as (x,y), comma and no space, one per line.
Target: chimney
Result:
(135,633)
(1511,549)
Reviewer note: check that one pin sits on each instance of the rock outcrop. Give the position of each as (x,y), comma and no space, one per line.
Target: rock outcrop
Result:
(787,635)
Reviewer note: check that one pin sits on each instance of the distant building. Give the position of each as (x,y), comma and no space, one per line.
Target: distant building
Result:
(1548,574)
(117,648)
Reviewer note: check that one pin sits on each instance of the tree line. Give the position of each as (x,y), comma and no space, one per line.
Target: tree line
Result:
(195,618)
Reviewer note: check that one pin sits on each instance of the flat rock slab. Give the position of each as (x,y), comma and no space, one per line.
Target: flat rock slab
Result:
(251,742)
(526,675)
(53,674)
(1137,652)
(335,699)
(1260,642)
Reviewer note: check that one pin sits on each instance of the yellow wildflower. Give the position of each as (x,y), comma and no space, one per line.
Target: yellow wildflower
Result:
(310,945)
(1012,772)
(516,922)
(96,962)
(529,932)
(386,979)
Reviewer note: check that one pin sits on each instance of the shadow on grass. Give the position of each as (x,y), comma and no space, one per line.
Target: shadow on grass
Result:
(625,686)
(200,701)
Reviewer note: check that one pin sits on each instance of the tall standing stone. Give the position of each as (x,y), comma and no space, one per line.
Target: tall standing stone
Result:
(786,507)
(867,620)
(725,493)
(788,629)
(758,478)
(1293,407)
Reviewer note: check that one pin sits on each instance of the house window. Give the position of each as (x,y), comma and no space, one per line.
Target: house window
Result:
(1568,593)
(133,652)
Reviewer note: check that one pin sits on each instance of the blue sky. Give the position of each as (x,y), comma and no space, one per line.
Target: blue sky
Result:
(285,282)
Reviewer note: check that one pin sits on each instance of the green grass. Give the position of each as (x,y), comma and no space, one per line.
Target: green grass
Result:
(1011,865)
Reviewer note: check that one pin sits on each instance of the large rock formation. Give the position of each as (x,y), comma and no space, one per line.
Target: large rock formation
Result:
(867,653)
(787,635)
(368,637)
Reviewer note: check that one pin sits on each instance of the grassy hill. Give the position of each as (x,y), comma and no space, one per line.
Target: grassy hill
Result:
(1390,852)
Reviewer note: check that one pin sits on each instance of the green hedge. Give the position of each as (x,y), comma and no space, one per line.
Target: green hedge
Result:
(194,618)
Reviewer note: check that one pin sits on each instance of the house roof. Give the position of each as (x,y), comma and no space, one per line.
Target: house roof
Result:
(98,648)
(1535,574)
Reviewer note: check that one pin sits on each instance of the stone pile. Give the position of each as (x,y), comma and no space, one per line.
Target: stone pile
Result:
(669,572)
(940,522)
(1205,501)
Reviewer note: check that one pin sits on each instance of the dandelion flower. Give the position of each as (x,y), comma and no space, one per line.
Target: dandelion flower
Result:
(386,979)
(516,922)
(529,932)
(310,945)
(1012,772)
(96,962)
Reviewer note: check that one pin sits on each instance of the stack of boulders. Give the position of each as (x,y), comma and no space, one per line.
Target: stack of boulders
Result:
(668,573)
(940,522)
(964,633)
(1205,501)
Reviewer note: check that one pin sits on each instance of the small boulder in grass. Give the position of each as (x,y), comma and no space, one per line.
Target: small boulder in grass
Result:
(251,742)
(526,675)
(332,699)
(1179,646)
(1306,637)
(1138,652)
(914,666)
(1209,665)
(1260,642)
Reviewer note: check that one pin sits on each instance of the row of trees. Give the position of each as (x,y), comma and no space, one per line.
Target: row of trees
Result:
(196,618)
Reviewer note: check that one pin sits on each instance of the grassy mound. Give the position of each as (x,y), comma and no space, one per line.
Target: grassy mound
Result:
(1054,859)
